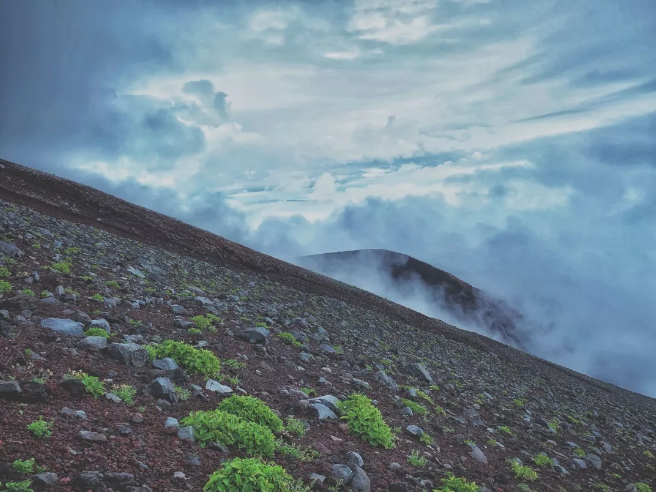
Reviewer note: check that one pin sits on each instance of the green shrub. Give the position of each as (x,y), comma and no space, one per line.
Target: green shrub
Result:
(201,322)
(229,429)
(194,331)
(295,426)
(252,475)
(96,332)
(40,428)
(5,286)
(252,409)
(200,361)
(426,439)
(27,292)
(365,420)
(4,272)
(523,472)
(296,452)
(542,460)
(454,484)
(126,393)
(642,487)
(24,467)
(92,384)
(415,407)
(416,460)
(97,297)
(24,486)
(289,338)
(63,266)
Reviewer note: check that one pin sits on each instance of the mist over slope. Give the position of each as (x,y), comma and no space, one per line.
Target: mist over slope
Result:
(424,288)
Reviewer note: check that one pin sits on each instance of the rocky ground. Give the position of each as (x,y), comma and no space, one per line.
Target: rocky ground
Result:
(457,402)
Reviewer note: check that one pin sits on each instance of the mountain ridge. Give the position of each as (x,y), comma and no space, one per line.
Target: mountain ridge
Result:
(147,278)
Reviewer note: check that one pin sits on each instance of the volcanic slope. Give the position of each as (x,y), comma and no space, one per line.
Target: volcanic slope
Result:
(402,276)
(94,390)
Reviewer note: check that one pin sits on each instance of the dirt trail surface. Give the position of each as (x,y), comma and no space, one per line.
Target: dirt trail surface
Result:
(76,263)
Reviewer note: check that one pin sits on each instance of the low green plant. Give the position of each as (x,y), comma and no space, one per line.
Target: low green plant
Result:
(97,297)
(290,339)
(296,452)
(4,272)
(45,293)
(96,332)
(113,284)
(218,426)
(24,467)
(250,474)
(26,292)
(579,452)
(603,487)
(194,331)
(505,429)
(416,460)
(648,454)
(201,322)
(415,407)
(520,402)
(439,410)
(523,472)
(308,391)
(183,393)
(553,424)
(234,364)
(63,266)
(92,384)
(365,420)
(642,487)
(454,484)
(200,361)
(126,393)
(426,439)
(295,427)
(543,460)
(5,287)
(27,352)
(40,428)
(23,486)
(252,409)
(524,487)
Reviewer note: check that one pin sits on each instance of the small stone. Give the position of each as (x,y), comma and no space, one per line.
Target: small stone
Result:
(179,476)
(413,430)
(407,411)
(113,397)
(352,458)
(419,371)
(166,364)
(477,454)
(343,473)
(322,412)
(317,477)
(258,335)
(92,436)
(47,479)
(89,480)
(217,387)
(9,388)
(186,433)
(171,425)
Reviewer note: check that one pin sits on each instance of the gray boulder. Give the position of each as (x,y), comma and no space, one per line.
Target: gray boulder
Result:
(419,371)
(163,388)
(322,412)
(8,249)
(258,334)
(130,353)
(101,323)
(386,380)
(64,326)
(342,473)
(166,364)
(360,481)
(93,343)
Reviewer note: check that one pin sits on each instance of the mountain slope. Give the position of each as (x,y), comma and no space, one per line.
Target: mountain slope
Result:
(397,275)
(147,278)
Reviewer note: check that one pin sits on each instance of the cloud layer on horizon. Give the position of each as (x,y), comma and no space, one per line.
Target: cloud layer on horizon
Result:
(509,143)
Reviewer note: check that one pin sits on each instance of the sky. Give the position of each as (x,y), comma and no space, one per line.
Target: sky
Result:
(511,143)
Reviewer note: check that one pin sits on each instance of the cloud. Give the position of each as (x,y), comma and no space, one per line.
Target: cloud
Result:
(510,143)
